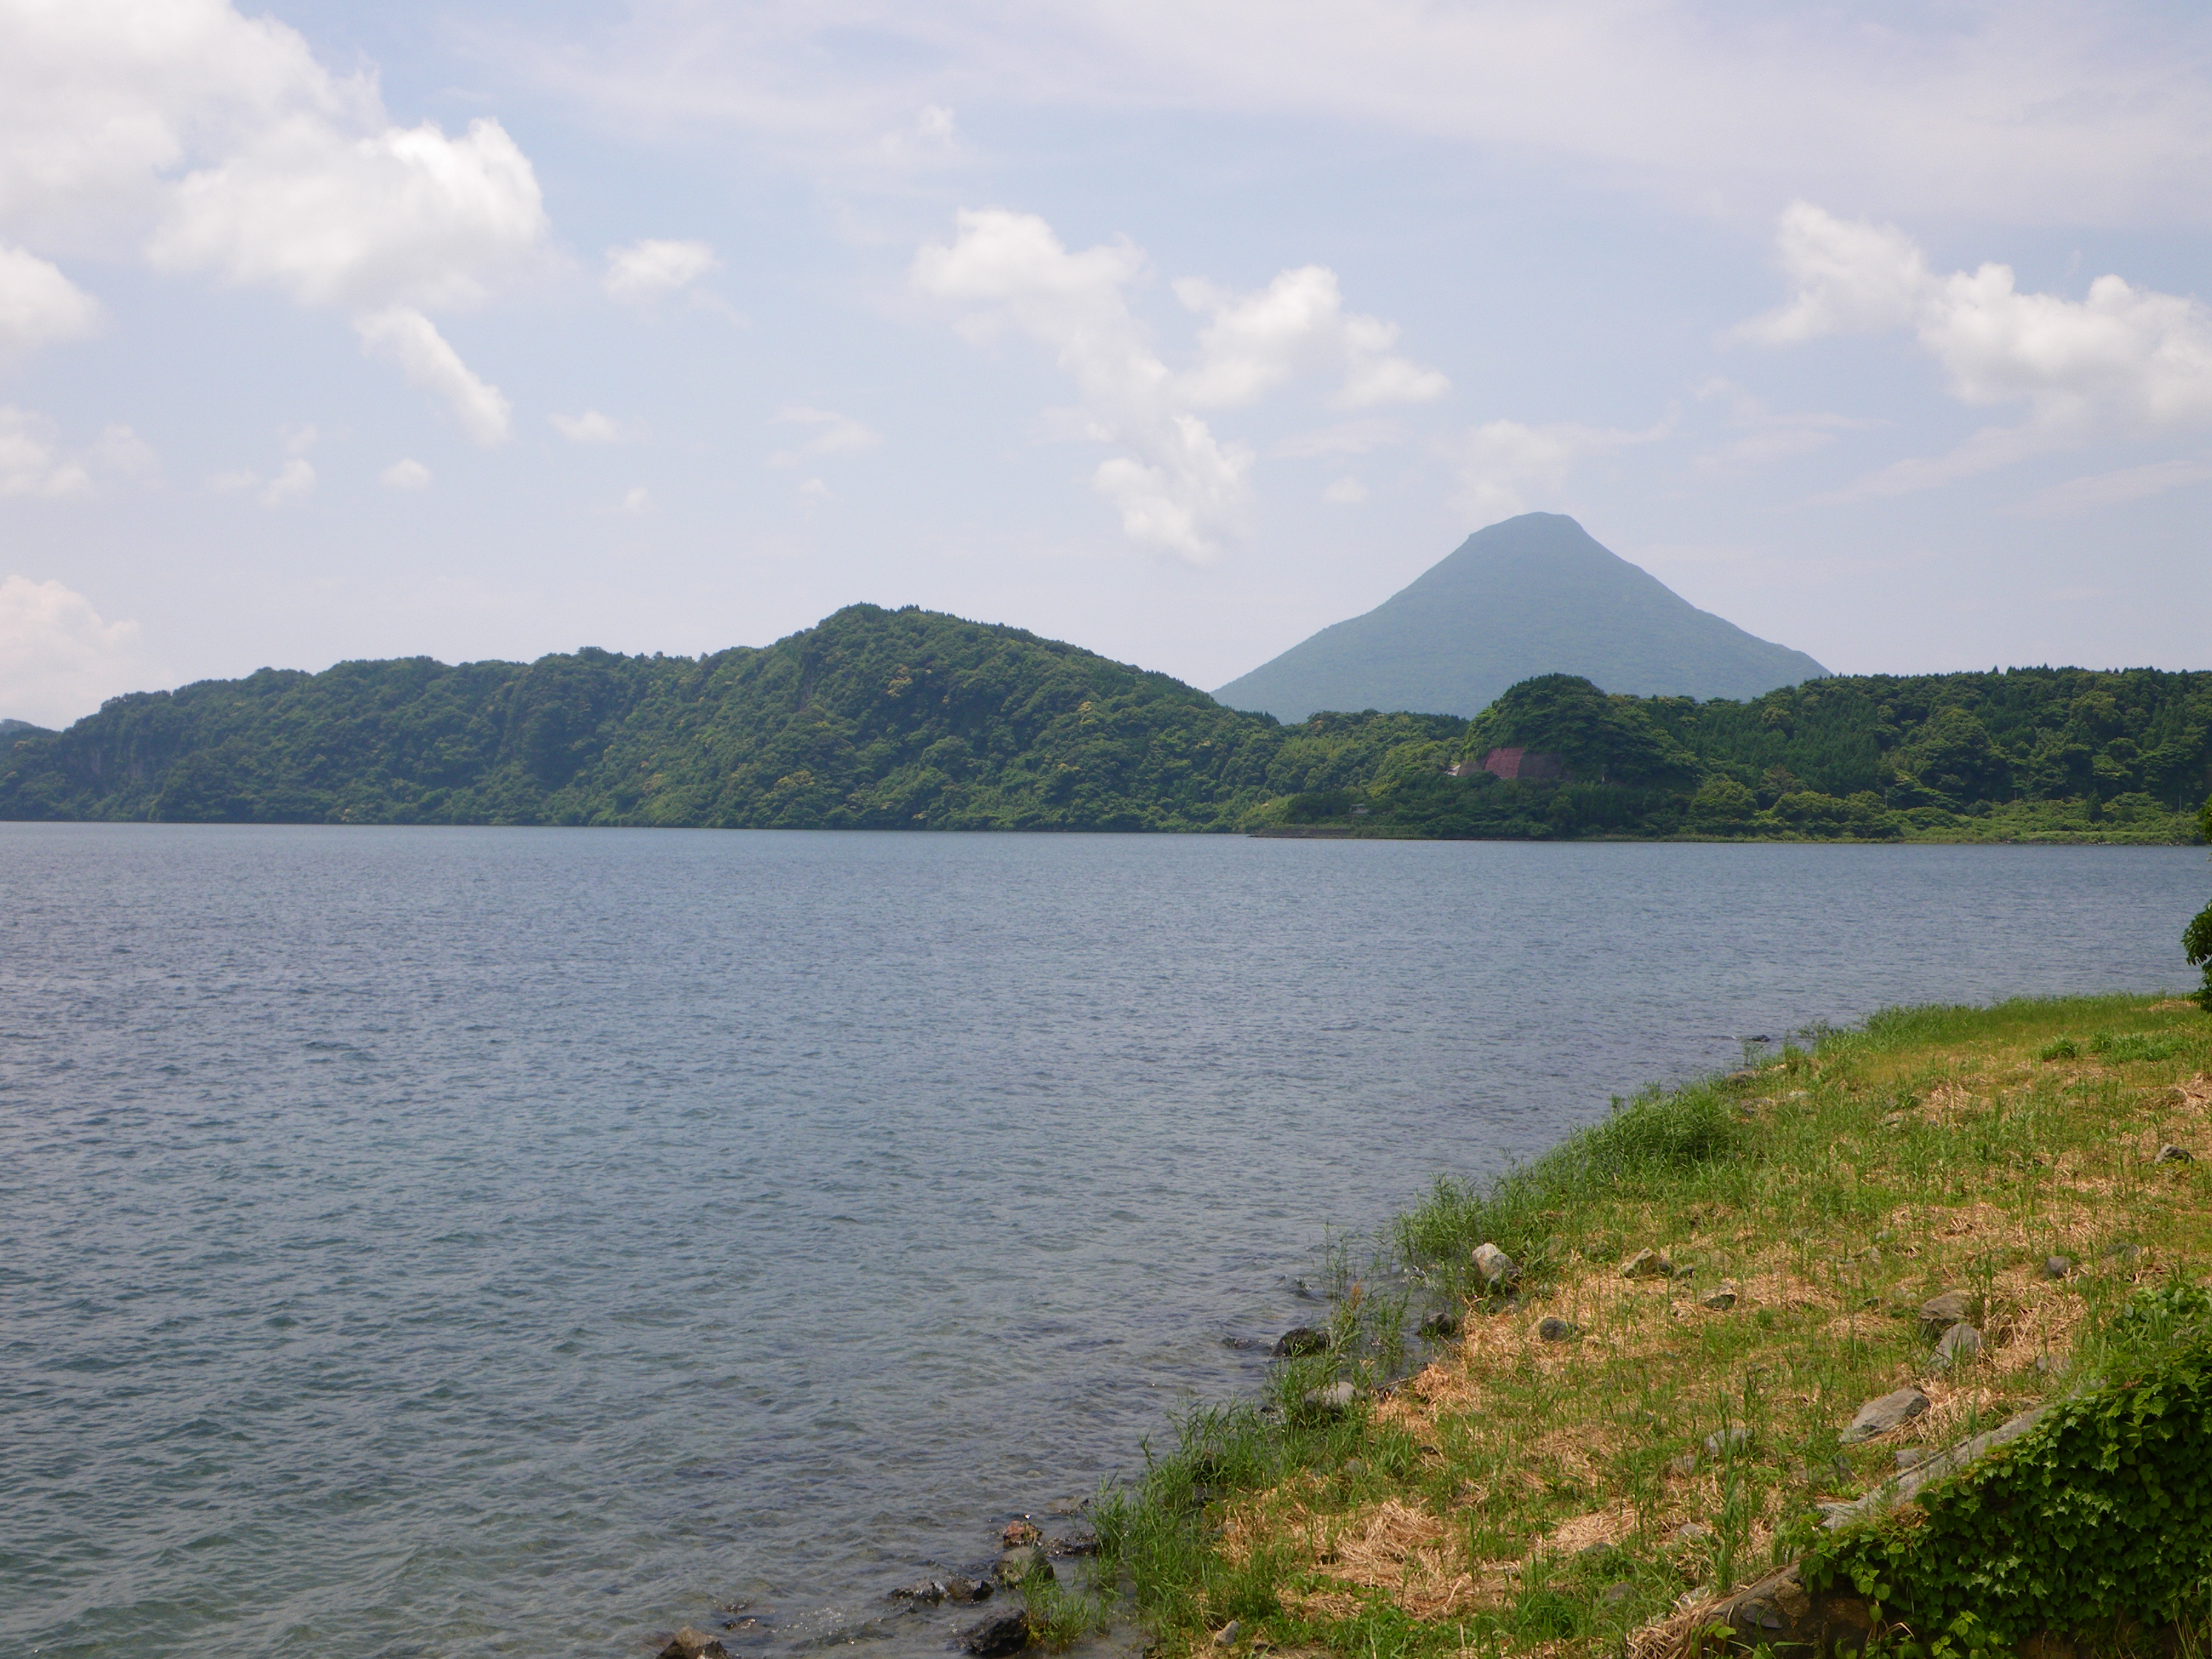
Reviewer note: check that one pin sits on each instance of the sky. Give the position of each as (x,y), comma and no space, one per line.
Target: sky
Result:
(1179,330)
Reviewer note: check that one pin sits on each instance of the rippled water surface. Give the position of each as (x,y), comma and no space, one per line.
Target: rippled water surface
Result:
(429,1241)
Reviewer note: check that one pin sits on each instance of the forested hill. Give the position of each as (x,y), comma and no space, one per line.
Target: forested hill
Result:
(874,718)
(912,720)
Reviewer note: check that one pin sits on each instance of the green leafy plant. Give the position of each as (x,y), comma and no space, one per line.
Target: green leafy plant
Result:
(2101,1513)
(2197,941)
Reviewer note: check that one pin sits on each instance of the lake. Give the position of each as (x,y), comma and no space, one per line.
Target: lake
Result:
(445,1241)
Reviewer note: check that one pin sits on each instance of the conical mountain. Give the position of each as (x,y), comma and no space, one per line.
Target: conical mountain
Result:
(1533,595)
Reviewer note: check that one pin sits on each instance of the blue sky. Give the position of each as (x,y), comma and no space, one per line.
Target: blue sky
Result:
(1179,330)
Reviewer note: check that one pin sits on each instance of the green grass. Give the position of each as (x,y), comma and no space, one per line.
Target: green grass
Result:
(1517,1495)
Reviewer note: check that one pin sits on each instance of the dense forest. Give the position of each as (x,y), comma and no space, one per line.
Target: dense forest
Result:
(910,719)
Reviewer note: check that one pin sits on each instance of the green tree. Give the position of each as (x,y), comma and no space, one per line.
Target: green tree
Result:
(2196,940)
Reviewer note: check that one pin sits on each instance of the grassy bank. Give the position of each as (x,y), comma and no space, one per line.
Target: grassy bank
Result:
(1492,1489)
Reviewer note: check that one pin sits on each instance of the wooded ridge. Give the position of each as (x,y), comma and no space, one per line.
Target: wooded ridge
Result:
(908,719)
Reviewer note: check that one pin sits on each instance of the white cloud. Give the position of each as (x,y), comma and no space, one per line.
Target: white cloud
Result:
(1769,436)
(39,306)
(644,271)
(294,479)
(361,221)
(1850,278)
(1505,467)
(589,428)
(2121,357)
(637,499)
(1254,343)
(1180,489)
(410,339)
(405,474)
(932,136)
(814,490)
(1345,438)
(839,434)
(2116,488)
(2070,110)
(216,143)
(32,459)
(1345,492)
(58,657)
(120,452)
(1177,486)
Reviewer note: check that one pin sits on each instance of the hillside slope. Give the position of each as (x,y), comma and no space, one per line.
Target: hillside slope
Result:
(1533,595)
(874,718)
(879,719)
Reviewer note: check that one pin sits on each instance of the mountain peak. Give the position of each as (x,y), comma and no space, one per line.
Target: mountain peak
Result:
(1536,595)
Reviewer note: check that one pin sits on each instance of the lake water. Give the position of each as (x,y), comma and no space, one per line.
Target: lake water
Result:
(442,1243)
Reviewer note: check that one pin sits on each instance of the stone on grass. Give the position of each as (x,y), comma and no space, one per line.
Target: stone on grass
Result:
(1877,1416)
(1686,1465)
(2122,1252)
(1552,1328)
(1301,1342)
(1647,1264)
(1960,1346)
(690,1643)
(2172,1154)
(1911,1458)
(1691,1532)
(1439,1328)
(1333,1400)
(1001,1633)
(1018,1533)
(1227,1635)
(1494,1267)
(1734,1438)
(2057,1266)
(1939,1313)
(1719,1300)
(1614,1594)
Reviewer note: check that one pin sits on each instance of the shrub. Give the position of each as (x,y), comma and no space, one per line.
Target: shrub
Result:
(2101,1513)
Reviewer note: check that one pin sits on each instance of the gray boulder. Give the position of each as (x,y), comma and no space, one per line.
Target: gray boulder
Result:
(2057,1266)
(1939,1313)
(1877,1416)
(1647,1264)
(693,1644)
(1333,1400)
(1734,1438)
(1552,1328)
(1719,1300)
(1907,1484)
(1494,1267)
(1960,1346)
(1002,1633)
(1301,1342)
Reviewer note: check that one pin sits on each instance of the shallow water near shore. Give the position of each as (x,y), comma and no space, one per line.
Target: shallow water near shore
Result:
(434,1242)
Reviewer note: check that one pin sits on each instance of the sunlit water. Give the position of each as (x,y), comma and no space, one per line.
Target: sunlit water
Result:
(520,1242)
